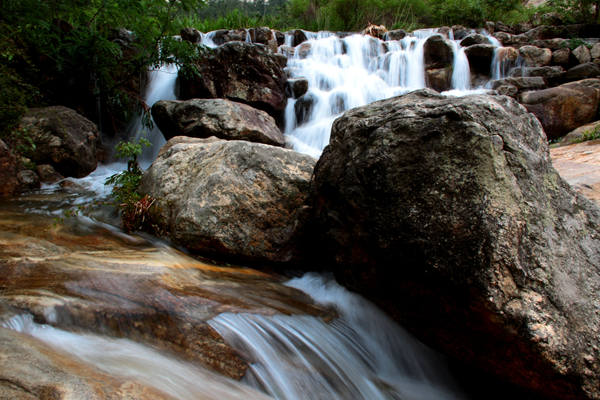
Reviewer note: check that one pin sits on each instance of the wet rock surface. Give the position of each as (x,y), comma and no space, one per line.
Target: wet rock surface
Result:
(232,199)
(449,214)
(86,279)
(202,118)
(31,370)
(8,171)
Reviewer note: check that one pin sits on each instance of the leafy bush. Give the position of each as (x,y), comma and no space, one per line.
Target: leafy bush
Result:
(135,209)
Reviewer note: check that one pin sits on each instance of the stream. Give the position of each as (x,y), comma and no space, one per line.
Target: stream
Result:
(133,307)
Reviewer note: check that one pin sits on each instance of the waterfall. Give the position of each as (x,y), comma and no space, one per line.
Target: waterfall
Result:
(361,354)
(161,86)
(342,73)
(348,72)
(461,72)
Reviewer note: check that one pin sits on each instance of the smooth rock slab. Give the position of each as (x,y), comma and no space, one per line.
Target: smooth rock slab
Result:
(447,212)
(202,118)
(232,199)
(579,164)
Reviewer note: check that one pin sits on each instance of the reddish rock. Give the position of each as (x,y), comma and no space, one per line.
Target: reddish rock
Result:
(8,172)
(563,108)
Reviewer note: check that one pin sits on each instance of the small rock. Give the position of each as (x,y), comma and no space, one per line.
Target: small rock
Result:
(396,34)
(192,35)
(48,174)
(535,56)
(475,38)
(595,51)
(561,56)
(298,87)
(28,179)
(582,54)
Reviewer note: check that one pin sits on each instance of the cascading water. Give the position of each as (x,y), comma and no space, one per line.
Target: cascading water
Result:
(361,354)
(161,87)
(348,72)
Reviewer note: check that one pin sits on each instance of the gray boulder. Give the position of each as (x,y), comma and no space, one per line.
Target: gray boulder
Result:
(231,199)
(202,118)
(583,71)
(63,138)
(238,71)
(447,212)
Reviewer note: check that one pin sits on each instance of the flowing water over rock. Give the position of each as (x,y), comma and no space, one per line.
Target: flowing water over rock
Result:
(360,354)
(130,311)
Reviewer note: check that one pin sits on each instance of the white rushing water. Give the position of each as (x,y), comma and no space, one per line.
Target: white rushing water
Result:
(125,358)
(362,354)
(347,72)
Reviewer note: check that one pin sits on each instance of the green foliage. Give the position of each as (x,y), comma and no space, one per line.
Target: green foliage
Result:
(84,54)
(355,15)
(575,43)
(134,207)
(576,11)
(471,12)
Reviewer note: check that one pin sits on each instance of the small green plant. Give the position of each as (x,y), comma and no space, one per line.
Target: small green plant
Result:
(575,43)
(591,134)
(133,206)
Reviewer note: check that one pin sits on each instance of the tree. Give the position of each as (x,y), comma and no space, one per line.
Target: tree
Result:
(90,54)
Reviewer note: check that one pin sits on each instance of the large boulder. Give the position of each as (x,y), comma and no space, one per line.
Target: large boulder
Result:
(563,108)
(238,71)
(62,138)
(8,171)
(224,119)
(447,212)
(231,199)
